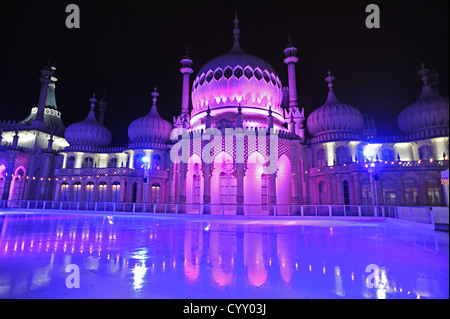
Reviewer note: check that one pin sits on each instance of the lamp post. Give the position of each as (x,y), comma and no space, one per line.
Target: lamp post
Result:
(371,170)
(146,167)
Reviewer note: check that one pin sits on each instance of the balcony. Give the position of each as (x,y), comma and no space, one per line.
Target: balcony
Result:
(104,171)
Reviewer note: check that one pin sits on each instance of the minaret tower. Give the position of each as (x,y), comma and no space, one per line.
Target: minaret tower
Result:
(46,78)
(294,113)
(186,70)
(290,60)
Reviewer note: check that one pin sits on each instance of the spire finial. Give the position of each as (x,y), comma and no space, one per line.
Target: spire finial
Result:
(236,31)
(424,73)
(236,34)
(290,44)
(155,96)
(330,80)
(93,101)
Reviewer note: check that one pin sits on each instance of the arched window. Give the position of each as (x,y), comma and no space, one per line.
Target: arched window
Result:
(342,155)
(65,191)
(346,193)
(116,192)
(70,162)
(434,189)
(112,162)
(387,155)
(89,192)
(19,183)
(389,193)
(228,190)
(411,192)
(366,192)
(76,192)
(102,192)
(425,152)
(156,162)
(156,193)
(88,162)
(321,158)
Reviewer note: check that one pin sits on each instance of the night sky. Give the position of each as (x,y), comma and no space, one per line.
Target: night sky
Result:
(125,48)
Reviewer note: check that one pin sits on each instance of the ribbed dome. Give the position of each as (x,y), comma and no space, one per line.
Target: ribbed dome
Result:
(236,78)
(89,132)
(334,116)
(428,113)
(151,129)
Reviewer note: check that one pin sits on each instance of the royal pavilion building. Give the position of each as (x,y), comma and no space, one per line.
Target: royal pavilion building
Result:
(332,156)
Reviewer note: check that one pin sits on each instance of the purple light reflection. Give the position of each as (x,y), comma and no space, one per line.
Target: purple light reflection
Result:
(130,257)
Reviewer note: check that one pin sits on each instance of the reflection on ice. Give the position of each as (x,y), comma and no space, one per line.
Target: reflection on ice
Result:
(129,257)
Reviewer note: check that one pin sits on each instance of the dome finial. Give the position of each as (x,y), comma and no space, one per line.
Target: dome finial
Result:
(424,73)
(330,80)
(155,96)
(236,35)
(289,44)
(93,101)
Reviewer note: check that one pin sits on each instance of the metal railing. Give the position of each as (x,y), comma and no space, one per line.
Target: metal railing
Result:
(419,214)
(201,209)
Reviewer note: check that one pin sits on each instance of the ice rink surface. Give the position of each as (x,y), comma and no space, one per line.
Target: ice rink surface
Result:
(185,257)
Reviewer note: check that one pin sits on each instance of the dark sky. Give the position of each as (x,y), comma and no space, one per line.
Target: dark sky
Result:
(127,47)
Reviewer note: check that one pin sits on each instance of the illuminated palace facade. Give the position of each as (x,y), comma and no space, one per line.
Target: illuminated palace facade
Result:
(342,161)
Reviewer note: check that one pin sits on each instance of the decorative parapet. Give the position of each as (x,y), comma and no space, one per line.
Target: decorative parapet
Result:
(380,165)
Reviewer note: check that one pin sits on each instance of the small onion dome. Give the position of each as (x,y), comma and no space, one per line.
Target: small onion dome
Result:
(334,119)
(88,133)
(428,116)
(151,130)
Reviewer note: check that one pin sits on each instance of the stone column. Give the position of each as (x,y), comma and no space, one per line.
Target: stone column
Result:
(273,192)
(207,188)
(182,193)
(240,188)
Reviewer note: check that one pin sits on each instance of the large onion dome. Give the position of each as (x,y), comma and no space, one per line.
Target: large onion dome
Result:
(151,130)
(89,133)
(233,79)
(334,120)
(428,116)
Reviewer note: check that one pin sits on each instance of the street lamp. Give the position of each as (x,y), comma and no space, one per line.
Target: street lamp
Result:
(371,170)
